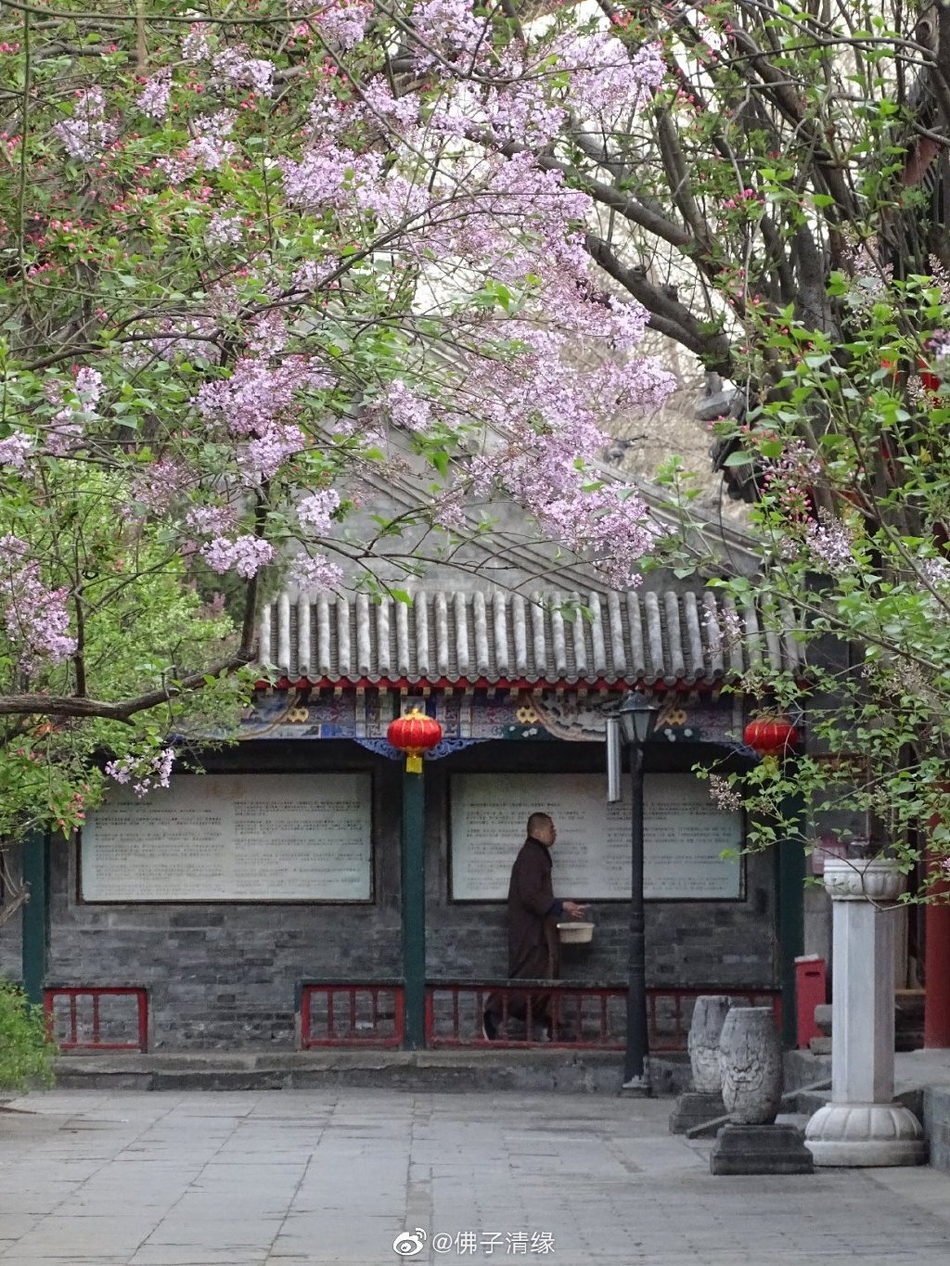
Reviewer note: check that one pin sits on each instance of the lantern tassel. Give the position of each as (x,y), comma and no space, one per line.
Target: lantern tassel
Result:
(414,763)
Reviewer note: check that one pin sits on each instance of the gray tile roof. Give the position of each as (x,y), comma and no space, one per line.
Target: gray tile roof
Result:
(464,638)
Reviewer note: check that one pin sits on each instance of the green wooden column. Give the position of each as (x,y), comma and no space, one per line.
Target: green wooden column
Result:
(790,880)
(414,907)
(35,914)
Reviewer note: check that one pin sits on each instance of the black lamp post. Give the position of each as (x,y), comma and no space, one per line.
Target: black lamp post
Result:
(637,716)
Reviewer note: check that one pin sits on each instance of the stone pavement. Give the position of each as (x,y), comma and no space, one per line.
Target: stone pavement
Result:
(307,1178)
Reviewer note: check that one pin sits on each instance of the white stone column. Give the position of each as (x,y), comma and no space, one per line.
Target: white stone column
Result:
(863,1125)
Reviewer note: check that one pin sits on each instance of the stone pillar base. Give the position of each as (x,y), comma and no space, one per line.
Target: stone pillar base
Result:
(760,1149)
(695,1108)
(865,1134)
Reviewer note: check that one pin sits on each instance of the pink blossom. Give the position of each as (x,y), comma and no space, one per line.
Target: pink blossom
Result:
(245,555)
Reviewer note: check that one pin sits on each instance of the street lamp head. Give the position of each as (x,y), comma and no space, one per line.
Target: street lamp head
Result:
(637,717)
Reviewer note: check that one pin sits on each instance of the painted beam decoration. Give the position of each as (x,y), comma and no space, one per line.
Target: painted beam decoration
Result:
(691,847)
(479,716)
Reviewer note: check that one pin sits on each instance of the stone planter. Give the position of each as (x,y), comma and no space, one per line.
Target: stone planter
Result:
(705,1031)
(874,881)
(750,1056)
(862,1125)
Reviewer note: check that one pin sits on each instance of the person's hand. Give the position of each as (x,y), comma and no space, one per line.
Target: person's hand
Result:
(573,909)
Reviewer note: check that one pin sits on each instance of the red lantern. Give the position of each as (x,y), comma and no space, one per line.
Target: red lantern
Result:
(414,734)
(772,735)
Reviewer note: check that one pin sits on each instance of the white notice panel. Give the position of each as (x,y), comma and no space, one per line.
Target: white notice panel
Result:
(684,835)
(233,837)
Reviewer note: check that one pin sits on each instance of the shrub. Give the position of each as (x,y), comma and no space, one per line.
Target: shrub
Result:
(26,1050)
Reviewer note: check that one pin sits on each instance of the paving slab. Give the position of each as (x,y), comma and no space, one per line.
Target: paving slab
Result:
(332,1177)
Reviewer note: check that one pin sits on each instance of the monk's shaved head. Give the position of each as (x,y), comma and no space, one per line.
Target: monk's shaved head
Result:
(540,825)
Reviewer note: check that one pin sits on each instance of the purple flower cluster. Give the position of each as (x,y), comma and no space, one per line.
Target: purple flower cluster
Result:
(87,133)
(196,46)
(828,544)
(314,572)
(35,617)
(406,408)
(245,555)
(341,22)
(224,229)
(316,510)
(153,99)
(15,449)
(233,67)
(144,772)
(208,148)
(257,394)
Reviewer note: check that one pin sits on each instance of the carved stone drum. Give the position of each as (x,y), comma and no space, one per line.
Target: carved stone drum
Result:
(705,1030)
(750,1055)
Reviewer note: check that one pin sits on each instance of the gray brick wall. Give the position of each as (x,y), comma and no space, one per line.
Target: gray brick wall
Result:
(226,975)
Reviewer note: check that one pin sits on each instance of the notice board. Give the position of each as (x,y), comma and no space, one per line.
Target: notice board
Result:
(685,835)
(230,837)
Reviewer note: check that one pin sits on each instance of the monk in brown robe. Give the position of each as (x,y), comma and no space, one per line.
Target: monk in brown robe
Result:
(534,947)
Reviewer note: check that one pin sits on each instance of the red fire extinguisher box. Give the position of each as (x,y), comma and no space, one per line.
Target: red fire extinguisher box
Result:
(811,990)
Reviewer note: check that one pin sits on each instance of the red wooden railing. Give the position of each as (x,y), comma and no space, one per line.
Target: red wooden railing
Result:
(370,1013)
(82,1025)
(590,1017)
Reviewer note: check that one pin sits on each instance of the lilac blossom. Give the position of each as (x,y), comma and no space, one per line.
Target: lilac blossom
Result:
(165,483)
(232,66)
(211,520)
(208,148)
(196,46)
(64,433)
(86,134)
(723,795)
(36,618)
(245,555)
(144,772)
(312,274)
(829,546)
(406,408)
(341,22)
(315,572)
(317,510)
(256,393)
(15,449)
(89,386)
(263,457)
(451,27)
(937,572)
(604,78)
(153,99)
(269,334)
(224,229)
